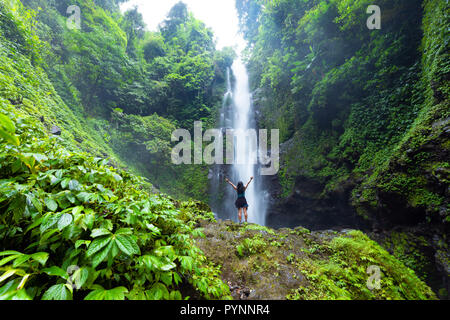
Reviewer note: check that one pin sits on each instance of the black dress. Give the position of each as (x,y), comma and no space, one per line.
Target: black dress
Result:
(241,201)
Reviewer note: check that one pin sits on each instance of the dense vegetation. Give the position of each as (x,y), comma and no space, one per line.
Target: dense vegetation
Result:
(76,223)
(363,115)
(357,106)
(85,112)
(61,207)
(133,86)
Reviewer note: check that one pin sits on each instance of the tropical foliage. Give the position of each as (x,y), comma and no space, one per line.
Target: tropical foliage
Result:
(353,104)
(80,229)
(112,63)
(86,114)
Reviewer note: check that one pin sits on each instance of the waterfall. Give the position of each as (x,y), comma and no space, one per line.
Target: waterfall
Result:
(237,113)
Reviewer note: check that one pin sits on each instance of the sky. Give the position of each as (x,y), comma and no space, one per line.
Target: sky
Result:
(220,15)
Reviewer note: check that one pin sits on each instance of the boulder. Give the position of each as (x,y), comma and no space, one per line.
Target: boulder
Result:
(56,131)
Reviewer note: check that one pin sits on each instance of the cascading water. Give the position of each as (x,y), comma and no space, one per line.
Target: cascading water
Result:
(237,114)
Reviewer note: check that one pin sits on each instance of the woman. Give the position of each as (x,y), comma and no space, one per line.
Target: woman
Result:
(241,202)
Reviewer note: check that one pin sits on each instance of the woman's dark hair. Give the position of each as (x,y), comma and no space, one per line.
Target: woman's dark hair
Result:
(240,187)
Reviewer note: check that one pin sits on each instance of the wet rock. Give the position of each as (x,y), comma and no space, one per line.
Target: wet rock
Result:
(56,131)
(253,295)
(239,292)
(441,123)
(425,251)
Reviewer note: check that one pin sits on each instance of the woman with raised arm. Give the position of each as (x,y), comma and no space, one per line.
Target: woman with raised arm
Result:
(241,202)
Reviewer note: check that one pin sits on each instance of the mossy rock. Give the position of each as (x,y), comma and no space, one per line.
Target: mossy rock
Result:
(299,264)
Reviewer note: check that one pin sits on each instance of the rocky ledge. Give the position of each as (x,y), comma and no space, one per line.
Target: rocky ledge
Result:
(260,263)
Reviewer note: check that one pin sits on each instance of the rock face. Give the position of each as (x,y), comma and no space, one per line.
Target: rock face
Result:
(56,131)
(409,196)
(306,207)
(259,263)
(423,247)
(423,251)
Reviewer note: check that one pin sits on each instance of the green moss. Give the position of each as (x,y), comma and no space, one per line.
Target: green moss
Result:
(408,250)
(301,231)
(258,228)
(427,199)
(309,265)
(343,274)
(250,246)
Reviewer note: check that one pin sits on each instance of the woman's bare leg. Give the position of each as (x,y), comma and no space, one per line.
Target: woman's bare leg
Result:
(246,214)
(240,214)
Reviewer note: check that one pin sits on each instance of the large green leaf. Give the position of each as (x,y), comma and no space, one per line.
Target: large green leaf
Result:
(77,210)
(9,252)
(40,257)
(65,220)
(37,204)
(117,293)
(7,124)
(175,295)
(113,294)
(166,277)
(51,204)
(100,232)
(97,245)
(96,295)
(100,256)
(37,156)
(8,290)
(88,220)
(21,260)
(58,292)
(84,196)
(8,274)
(154,229)
(158,292)
(65,183)
(71,198)
(125,231)
(56,271)
(79,278)
(187,262)
(167,265)
(127,245)
(151,262)
(117,177)
(7,130)
(74,185)
(10,138)
(158,263)
(49,221)
(9,258)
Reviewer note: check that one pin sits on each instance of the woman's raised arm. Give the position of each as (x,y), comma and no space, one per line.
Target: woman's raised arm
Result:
(228,180)
(251,179)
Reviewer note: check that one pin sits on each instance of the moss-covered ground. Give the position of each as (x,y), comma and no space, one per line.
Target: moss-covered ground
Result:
(262,263)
